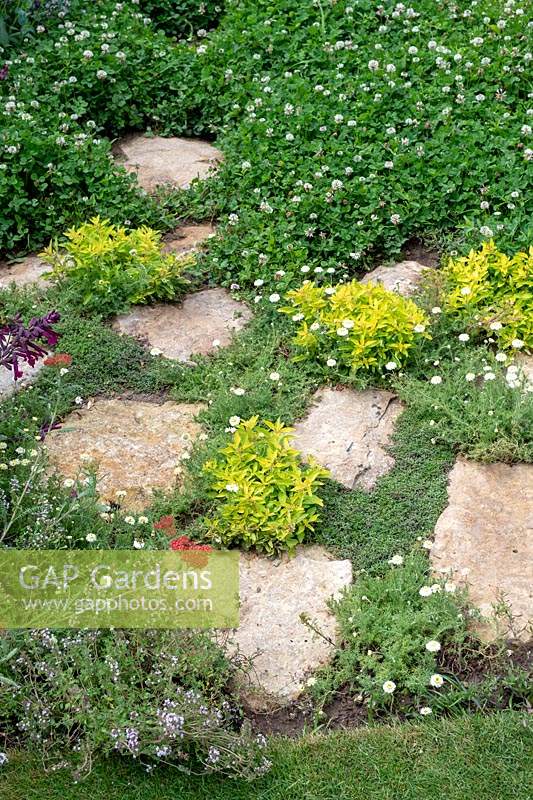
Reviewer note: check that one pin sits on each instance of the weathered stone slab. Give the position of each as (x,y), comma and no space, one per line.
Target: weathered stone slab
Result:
(274,594)
(187,239)
(348,432)
(27,271)
(402,278)
(204,321)
(7,383)
(136,445)
(158,161)
(485,538)
(525,365)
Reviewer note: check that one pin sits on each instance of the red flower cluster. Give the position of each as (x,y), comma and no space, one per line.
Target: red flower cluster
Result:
(193,553)
(58,360)
(166,524)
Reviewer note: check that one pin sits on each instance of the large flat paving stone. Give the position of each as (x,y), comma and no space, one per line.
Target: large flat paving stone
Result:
(188,238)
(136,446)
(28,270)
(348,432)
(158,161)
(485,537)
(7,383)
(204,321)
(274,594)
(402,278)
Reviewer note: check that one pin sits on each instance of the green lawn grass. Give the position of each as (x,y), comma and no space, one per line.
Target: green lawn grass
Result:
(467,758)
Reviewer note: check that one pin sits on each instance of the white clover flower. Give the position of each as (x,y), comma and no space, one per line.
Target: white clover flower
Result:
(138,544)
(342,332)
(425,711)
(348,323)
(390,365)
(425,591)
(237,391)
(465,290)
(331,362)
(234,421)
(517,344)
(470,376)
(373,65)
(63,371)
(259,282)
(232,487)
(489,376)
(436,680)
(142,520)
(274,376)
(395,219)
(274,298)
(463,337)
(419,328)
(486,231)
(389,687)
(396,561)
(68,483)
(436,380)
(450,587)
(496,326)
(330,290)
(78,400)
(91,537)
(433,646)
(129,520)
(88,53)
(427,544)
(501,357)
(436,310)
(101,74)
(155,351)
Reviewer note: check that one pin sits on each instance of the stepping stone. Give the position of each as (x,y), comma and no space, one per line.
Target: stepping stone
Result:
(180,331)
(9,386)
(402,278)
(187,239)
(485,538)
(274,594)
(348,432)
(158,160)
(27,271)
(525,363)
(136,446)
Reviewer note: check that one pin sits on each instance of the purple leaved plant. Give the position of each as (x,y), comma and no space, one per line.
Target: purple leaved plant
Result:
(21,343)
